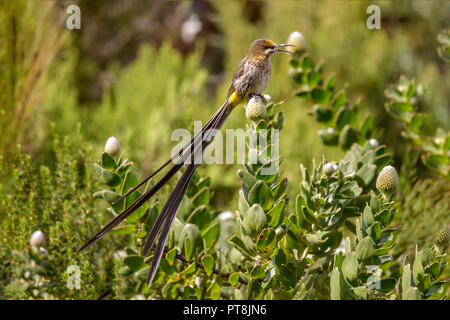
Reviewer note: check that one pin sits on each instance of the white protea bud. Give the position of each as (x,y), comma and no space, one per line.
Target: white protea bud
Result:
(374,143)
(37,238)
(256,109)
(191,28)
(387,181)
(329,168)
(112,146)
(298,40)
(226,215)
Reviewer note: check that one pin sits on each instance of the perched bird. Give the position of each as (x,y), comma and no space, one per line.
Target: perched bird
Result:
(251,78)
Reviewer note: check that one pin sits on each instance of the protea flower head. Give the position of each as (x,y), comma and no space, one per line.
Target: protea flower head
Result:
(387,181)
(37,238)
(329,168)
(255,109)
(112,146)
(374,143)
(298,40)
(442,238)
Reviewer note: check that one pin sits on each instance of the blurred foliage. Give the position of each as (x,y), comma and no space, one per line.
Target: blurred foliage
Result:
(137,70)
(59,202)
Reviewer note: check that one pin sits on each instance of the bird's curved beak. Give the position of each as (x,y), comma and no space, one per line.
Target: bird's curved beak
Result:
(283,45)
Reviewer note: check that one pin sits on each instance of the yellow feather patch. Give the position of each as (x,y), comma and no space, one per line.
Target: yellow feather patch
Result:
(234,99)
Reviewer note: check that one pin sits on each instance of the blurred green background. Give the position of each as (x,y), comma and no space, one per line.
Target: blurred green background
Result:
(137,70)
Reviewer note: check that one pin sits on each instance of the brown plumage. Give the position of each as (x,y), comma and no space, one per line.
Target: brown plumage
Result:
(251,78)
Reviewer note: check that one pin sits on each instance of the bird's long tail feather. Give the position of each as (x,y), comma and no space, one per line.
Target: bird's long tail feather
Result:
(169,211)
(187,151)
(183,154)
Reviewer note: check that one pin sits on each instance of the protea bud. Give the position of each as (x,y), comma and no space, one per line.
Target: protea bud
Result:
(298,40)
(267,97)
(373,143)
(442,238)
(37,238)
(112,146)
(387,181)
(256,109)
(329,168)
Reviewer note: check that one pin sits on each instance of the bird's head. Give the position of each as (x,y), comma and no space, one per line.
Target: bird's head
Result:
(264,48)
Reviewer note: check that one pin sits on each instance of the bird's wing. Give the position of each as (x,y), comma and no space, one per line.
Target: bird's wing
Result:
(237,74)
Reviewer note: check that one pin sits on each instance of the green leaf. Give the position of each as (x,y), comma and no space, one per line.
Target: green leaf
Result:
(329,136)
(171,255)
(339,100)
(190,269)
(234,278)
(243,204)
(398,114)
(267,240)
(322,113)
(255,220)
(199,217)
(418,272)
(335,285)
(261,194)
(192,238)
(364,249)
(345,116)
(130,181)
(247,179)
(122,230)
(308,215)
(255,292)
(367,128)
(276,214)
(367,173)
(383,216)
(239,245)
(367,217)
(211,234)
(412,294)
(110,178)
(208,264)
(306,63)
(321,96)
(201,198)
(188,248)
(425,283)
(348,136)
(314,79)
(406,280)
(433,269)
(135,262)
(330,83)
(362,292)
(108,161)
(350,266)
(257,273)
